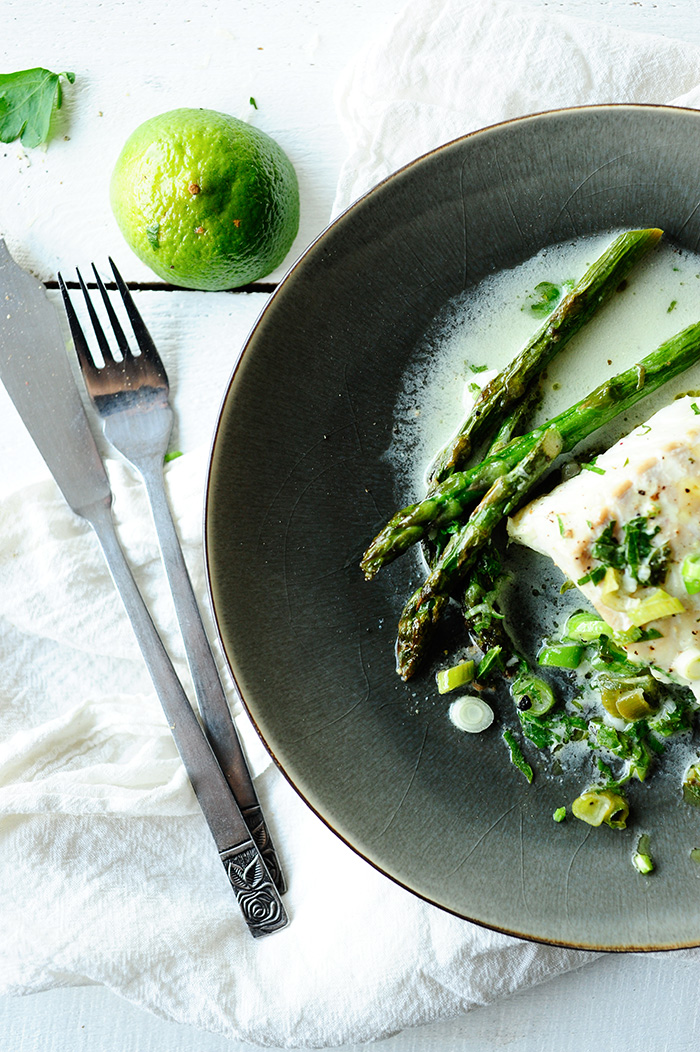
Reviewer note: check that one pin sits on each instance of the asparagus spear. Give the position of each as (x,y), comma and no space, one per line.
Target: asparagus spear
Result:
(423,609)
(432,546)
(482,620)
(483,625)
(451,500)
(592,291)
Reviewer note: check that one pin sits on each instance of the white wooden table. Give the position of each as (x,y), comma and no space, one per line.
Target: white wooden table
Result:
(133,60)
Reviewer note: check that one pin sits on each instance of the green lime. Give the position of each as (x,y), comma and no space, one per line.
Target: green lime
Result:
(204,199)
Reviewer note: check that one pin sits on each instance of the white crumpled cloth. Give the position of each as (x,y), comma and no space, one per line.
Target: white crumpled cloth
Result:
(107,871)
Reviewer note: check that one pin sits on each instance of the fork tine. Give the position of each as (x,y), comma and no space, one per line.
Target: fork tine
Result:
(122,342)
(143,336)
(99,331)
(82,349)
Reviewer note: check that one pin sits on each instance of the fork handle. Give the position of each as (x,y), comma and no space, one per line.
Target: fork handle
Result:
(209,691)
(245,867)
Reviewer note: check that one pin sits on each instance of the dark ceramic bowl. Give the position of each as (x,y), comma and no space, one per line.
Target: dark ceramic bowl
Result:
(298,485)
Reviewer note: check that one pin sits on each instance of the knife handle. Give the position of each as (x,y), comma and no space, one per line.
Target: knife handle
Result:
(245,866)
(211,699)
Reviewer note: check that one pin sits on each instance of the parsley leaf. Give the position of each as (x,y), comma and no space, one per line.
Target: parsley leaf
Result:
(516,755)
(27,100)
(152,234)
(645,562)
(547,732)
(607,550)
(548,297)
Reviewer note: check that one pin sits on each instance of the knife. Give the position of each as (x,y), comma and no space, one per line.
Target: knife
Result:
(34,369)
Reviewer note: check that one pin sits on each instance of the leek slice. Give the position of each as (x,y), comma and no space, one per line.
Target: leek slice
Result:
(659,604)
(450,678)
(690,572)
(596,806)
(471,714)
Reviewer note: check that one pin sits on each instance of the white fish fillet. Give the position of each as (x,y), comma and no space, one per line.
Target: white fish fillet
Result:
(654,471)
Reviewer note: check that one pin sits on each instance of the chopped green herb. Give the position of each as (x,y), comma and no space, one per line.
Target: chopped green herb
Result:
(592,466)
(474,388)
(171,456)
(548,732)
(675,720)
(516,755)
(595,576)
(560,814)
(696,409)
(609,657)
(253,103)
(646,563)
(561,525)
(27,100)
(152,234)
(672,305)
(548,296)
(607,549)
(491,660)
(630,745)
(478,368)
(609,780)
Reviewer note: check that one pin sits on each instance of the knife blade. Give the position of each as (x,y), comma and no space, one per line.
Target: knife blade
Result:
(35,370)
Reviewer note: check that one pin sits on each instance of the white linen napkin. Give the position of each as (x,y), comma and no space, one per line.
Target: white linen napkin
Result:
(444,68)
(107,870)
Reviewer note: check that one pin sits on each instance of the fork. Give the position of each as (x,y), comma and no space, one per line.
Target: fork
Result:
(131,396)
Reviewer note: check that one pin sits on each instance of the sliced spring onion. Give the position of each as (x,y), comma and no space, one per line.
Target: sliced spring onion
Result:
(611,582)
(634,706)
(690,572)
(528,687)
(596,806)
(450,678)
(638,695)
(586,627)
(560,655)
(471,714)
(642,863)
(687,664)
(641,859)
(691,785)
(659,604)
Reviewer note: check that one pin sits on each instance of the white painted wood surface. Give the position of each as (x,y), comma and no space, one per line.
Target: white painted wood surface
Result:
(135,59)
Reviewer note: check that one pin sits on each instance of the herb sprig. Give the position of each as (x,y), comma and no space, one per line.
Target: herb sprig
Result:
(27,100)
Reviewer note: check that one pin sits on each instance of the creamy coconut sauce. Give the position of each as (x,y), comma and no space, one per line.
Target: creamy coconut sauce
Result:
(488,325)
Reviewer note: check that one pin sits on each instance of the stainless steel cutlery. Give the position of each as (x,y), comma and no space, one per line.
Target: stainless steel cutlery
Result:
(132,398)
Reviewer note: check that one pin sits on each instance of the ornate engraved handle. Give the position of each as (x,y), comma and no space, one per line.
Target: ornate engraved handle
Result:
(254,889)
